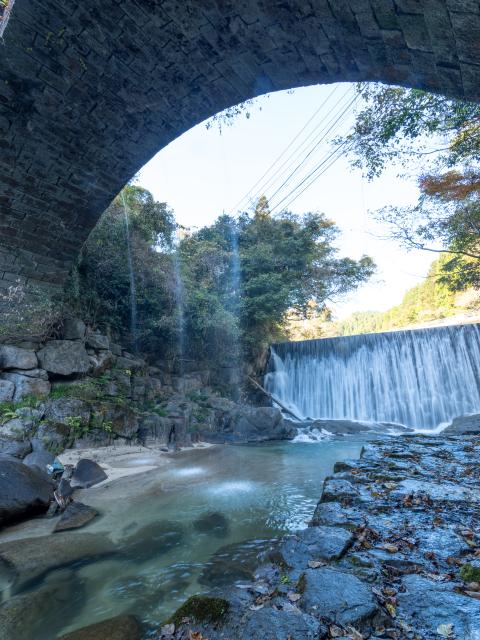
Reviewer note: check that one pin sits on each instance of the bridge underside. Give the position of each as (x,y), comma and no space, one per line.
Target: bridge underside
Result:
(90,91)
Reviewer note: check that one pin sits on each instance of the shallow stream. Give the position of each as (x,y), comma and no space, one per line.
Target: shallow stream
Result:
(195,523)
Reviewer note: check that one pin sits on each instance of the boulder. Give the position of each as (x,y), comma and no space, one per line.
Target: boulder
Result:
(59,410)
(23,491)
(36,614)
(87,473)
(130,364)
(64,357)
(97,341)
(17,358)
(335,490)
(252,424)
(73,329)
(15,448)
(316,543)
(7,389)
(27,386)
(463,425)
(39,458)
(76,515)
(118,628)
(32,373)
(13,429)
(337,595)
(31,559)
(123,420)
(100,362)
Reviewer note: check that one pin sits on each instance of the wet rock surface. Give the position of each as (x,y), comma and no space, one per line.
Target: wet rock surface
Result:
(23,490)
(118,628)
(393,551)
(87,474)
(76,515)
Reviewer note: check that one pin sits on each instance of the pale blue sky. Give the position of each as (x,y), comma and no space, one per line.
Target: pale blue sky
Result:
(205,172)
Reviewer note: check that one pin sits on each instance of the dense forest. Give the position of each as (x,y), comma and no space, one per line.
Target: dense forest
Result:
(219,293)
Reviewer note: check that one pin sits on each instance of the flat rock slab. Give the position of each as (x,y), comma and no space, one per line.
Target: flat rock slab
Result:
(337,595)
(87,473)
(333,514)
(316,543)
(23,490)
(269,624)
(118,628)
(426,604)
(32,558)
(76,515)
(334,490)
(438,492)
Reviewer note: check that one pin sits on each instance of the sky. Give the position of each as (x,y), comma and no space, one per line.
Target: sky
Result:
(208,171)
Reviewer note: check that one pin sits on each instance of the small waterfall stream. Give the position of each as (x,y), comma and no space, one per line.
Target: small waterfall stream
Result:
(133,288)
(179,296)
(419,378)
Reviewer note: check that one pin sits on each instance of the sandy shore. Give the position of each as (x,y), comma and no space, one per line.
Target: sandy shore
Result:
(119,461)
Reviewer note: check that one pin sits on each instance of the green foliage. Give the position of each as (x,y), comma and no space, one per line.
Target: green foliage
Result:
(439,139)
(431,300)
(469,573)
(201,609)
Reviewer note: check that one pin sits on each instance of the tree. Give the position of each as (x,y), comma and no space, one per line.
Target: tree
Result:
(398,125)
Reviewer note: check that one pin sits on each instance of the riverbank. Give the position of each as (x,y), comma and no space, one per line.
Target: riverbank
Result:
(393,551)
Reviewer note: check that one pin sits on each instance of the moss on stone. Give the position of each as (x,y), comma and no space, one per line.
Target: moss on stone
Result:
(469,573)
(201,609)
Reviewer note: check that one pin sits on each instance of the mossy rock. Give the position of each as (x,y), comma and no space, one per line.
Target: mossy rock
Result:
(470,573)
(201,609)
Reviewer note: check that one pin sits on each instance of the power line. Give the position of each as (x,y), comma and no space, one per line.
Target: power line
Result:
(316,112)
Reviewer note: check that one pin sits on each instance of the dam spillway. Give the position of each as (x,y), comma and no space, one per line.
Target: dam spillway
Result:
(420,378)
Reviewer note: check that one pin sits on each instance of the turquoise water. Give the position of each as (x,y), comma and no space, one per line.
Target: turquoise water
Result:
(198,522)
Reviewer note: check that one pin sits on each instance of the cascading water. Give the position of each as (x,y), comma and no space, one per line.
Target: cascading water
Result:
(179,296)
(419,378)
(235,292)
(133,288)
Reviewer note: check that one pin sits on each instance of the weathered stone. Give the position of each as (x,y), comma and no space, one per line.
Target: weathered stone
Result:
(463,425)
(130,364)
(76,515)
(7,389)
(64,357)
(23,491)
(334,490)
(13,429)
(97,341)
(32,558)
(16,358)
(119,628)
(333,514)
(60,411)
(87,473)
(73,329)
(31,373)
(15,448)
(337,595)
(39,459)
(28,615)
(27,386)
(100,362)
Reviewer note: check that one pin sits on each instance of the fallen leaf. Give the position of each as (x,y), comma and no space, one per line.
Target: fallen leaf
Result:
(354,634)
(391,548)
(391,609)
(256,607)
(445,630)
(315,564)
(293,597)
(473,594)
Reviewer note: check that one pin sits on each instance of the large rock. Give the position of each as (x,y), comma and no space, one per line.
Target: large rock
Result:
(17,358)
(130,364)
(15,448)
(118,628)
(337,595)
(97,341)
(73,329)
(31,559)
(316,543)
(426,605)
(40,457)
(87,473)
(13,429)
(76,515)
(251,424)
(43,612)
(59,411)
(25,385)
(7,389)
(64,357)
(23,491)
(463,425)
(32,373)
(100,362)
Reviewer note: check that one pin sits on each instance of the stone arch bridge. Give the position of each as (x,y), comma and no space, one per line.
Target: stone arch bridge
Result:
(91,90)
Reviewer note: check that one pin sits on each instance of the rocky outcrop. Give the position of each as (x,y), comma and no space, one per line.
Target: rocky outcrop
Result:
(463,425)
(64,357)
(23,490)
(12,357)
(392,552)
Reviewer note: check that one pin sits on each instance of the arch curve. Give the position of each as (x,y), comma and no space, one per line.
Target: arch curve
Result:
(90,91)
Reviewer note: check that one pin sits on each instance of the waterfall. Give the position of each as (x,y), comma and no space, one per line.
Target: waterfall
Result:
(133,288)
(235,296)
(419,378)
(179,297)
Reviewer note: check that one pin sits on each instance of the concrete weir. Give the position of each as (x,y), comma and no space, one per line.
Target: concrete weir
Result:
(89,91)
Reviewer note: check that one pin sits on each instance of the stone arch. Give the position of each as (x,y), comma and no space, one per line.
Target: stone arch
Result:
(90,91)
